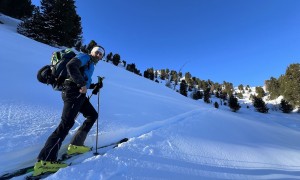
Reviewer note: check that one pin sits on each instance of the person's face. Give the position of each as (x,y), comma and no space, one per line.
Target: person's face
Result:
(98,55)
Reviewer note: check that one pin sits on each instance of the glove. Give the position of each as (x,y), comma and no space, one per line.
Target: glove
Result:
(96,87)
(92,86)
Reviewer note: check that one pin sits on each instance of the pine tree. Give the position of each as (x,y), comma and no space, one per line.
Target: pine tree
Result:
(223,95)
(179,75)
(183,88)
(116,59)
(260,105)
(167,71)
(290,85)
(163,74)
(216,104)
(19,9)
(212,86)
(151,74)
(204,85)
(187,76)
(197,95)
(207,95)
(233,103)
(109,56)
(240,95)
(285,107)
(260,92)
(173,75)
(228,88)
(167,74)
(33,26)
(58,23)
(190,83)
(273,87)
(131,67)
(217,94)
(146,74)
(241,87)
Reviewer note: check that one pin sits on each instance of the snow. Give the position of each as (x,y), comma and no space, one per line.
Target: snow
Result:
(171,136)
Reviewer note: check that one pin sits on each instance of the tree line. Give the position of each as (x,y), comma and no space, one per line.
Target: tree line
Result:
(57,23)
(287,85)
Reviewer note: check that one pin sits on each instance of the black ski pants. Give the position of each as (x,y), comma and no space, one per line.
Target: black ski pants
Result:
(74,102)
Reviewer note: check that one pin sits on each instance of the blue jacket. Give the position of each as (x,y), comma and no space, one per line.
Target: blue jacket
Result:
(81,69)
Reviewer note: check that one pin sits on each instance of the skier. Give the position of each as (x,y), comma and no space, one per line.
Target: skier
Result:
(80,70)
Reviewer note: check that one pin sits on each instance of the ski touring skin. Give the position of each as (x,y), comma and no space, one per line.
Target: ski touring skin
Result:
(64,157)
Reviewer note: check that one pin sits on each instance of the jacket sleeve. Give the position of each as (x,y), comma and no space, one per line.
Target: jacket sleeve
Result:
(73,70)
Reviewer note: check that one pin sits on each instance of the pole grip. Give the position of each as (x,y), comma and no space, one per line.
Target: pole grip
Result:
(100,79)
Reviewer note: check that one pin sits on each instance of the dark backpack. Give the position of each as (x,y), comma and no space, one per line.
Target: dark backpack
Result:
(56,73)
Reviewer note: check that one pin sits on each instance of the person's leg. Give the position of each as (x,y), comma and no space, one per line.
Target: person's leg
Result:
(91,116)
(72,105)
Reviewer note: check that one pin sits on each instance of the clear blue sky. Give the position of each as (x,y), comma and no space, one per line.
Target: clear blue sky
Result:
(239,41)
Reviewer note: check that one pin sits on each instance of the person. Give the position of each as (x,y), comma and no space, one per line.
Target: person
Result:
(80,70)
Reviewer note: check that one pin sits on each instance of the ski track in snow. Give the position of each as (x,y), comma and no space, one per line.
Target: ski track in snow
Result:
(181,156)
(23,120)
(160,154)
(163,159)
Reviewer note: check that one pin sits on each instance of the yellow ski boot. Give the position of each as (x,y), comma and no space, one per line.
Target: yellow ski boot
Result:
(73,149)
(42,167)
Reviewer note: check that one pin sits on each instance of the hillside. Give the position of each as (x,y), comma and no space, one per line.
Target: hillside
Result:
(171,136)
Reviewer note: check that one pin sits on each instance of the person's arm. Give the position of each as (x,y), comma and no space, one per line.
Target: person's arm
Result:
(73,69)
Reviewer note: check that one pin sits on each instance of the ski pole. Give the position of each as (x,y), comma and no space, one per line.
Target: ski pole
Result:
(99,81)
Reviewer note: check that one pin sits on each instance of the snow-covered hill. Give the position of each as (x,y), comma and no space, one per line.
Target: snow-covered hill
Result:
(171,136)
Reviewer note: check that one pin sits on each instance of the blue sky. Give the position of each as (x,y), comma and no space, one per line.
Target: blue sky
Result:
(238,41)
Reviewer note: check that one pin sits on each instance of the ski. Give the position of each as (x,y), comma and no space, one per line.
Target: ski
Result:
(64,157)
(42,176)
(115,144)
(18,172)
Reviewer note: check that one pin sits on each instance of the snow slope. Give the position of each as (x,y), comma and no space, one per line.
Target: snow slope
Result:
(171,136)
